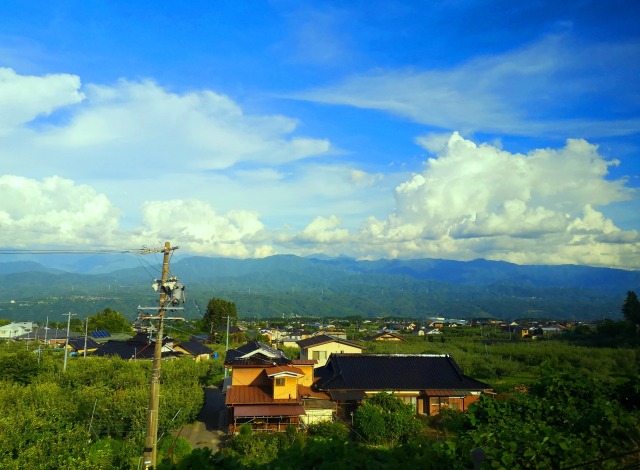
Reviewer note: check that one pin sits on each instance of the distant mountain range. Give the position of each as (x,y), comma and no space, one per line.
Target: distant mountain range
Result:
(287,285)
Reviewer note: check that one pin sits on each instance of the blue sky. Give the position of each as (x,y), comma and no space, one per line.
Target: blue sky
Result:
(454,129)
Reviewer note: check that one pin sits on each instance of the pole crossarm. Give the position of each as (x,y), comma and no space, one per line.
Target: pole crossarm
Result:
(160,308)
(151,441)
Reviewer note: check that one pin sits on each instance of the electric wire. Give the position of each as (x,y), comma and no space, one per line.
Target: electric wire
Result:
(71,252)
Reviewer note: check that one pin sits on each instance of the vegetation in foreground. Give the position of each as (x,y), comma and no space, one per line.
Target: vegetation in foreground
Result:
(562,421)
(561,405)
(93,415)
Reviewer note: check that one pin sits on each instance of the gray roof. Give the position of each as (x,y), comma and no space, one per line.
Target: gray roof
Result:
(194,348)
(78,343)
(322,339)
(51,334)
(393,372)
(138,347)
(262,354)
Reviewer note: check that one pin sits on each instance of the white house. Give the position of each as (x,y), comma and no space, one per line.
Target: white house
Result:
(320,347)
(16,329)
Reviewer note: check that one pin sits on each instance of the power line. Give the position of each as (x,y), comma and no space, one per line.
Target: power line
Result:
(66,252)
(141,251)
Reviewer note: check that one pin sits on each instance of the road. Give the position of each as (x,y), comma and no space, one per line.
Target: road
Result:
(210,426)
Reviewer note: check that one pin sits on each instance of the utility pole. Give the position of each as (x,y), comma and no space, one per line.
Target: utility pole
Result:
(66,344)
(86,330)
(46,330)
(151,442)
(227,346)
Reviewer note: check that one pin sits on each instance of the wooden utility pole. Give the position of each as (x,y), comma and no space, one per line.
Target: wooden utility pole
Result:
(227,346)
(66,343)
(151,442)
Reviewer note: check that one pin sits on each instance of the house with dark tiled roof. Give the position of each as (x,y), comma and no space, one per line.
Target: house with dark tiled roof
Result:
(254,352)
(269,391)
(195,349)
(80,344)
(320,347)
(428,382)
(50,336)
(385,336)
(141,346)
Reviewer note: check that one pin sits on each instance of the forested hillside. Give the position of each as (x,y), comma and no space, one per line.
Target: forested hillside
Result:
(290,285)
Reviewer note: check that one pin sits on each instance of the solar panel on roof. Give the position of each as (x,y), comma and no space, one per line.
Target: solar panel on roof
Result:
(100,334)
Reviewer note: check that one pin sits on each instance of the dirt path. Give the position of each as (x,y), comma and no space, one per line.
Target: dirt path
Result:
(210,425)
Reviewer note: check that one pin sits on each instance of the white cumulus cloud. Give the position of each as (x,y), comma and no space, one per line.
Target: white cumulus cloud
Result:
(323,230)
(198,228)
(480,201)
(54,211)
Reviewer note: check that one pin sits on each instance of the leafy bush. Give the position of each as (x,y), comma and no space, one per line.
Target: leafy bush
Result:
(564,420)
(249,448)
(330,430)
(173,449)
(455,421)
(384,418)
(18,366)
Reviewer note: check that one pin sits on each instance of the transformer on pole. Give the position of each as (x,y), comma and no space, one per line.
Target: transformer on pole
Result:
(167,300)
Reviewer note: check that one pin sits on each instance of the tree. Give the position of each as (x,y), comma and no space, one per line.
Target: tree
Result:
(631,308)
(18,366)
(216,314)
(588,425)
(109,320)
(384,418)
(76,325)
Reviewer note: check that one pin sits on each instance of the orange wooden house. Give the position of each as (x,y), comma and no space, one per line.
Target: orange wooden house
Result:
(270,392)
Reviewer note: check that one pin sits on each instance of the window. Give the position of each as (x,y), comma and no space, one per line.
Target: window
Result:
(320,355)
(437,403)
(413,401)
(280,382)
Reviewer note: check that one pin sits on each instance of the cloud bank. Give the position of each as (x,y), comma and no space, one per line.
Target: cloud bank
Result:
(540,208)
(135,164)
(135,127)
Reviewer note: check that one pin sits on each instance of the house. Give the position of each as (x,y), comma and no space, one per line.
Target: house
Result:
(322,346)
(80,344)
(410,326)
(101,335)
(515,329)
(289,343)
(273,335)
(56,337)
(332,332)
(141,346)
(384,336)
(14,329)
(422,331)
(427,382)
(552,330)
(234,330)
(262,352)
(270,392)
(195,349)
